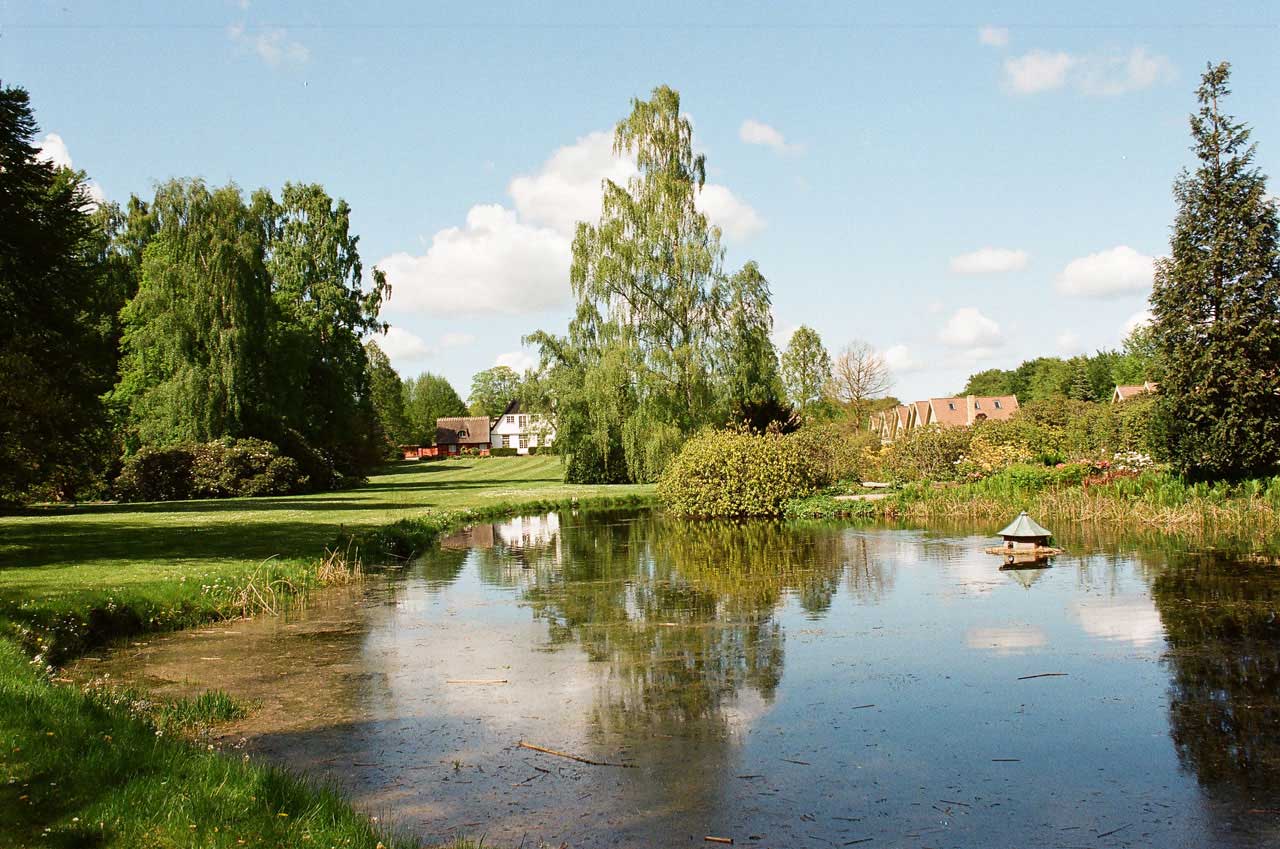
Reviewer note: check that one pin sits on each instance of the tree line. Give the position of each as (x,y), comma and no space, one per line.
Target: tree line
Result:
(195,316)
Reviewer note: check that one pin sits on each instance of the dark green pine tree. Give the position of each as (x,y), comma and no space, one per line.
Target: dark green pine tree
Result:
(1216,303)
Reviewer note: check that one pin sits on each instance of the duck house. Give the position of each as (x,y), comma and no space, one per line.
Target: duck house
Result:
(1025,534)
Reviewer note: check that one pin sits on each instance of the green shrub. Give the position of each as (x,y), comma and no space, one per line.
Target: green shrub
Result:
(823,506)
(722,473)
(503,452)
(930,453)
(832,454)
(225,468)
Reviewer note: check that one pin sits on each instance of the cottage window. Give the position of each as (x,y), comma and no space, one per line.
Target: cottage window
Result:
(506,440)
(524,440)
(997,405)
(511,419)
(951,405)
(524,421)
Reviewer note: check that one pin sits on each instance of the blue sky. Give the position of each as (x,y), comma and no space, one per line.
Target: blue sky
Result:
(962,188)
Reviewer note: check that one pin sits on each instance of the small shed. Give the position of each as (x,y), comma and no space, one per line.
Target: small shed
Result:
(1025,534)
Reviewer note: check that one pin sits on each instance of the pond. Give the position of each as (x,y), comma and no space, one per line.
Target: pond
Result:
(775,684)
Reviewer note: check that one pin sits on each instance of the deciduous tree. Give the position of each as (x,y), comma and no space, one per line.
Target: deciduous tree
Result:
(806,368)
(858,375)
(492,390)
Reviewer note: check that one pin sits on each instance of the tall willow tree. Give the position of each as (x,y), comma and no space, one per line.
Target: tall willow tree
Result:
(644,363)
(1216,304)
(195,334)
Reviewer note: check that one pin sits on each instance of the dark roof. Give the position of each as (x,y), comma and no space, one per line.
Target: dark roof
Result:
(462,430)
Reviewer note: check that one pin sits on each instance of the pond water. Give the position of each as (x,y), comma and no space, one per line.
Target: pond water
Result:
(777,685)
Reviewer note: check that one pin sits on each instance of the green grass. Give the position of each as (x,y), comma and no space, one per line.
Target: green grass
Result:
(112,768)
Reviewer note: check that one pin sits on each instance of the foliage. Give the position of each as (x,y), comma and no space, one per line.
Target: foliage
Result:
(770,414)
(1216,305)
(662,342)
(225,468)
(56,320)
(386,392)
(823,506)
(492,390)
(805,368)
(426,398)
(504,452)
(926,454)
(725,473)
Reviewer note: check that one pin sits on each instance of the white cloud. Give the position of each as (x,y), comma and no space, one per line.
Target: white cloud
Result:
(568,187)
(735,217)
(1120,74)
(900,361)
(54,150)
(969,328)
(1117,271)
(520,361)
(1105,75)
(1138,319)
(495,263)
(403,345)
(989,261)
(517,260)
(1068,342)
(272,44)
(1036,71)
(994,36)
(758,132)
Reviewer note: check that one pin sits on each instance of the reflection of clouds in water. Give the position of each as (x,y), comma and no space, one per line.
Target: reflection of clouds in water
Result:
(1132,620)
(1011,640)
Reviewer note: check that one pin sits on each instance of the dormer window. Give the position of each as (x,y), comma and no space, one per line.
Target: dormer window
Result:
(951,405)
(997,403)
(511,419)
(977,405)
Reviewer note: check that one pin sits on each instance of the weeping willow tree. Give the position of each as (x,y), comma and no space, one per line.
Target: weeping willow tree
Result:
(655,350)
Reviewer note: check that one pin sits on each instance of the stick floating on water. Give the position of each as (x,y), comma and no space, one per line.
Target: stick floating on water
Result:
(480,681)
(728,840)
(1043,675)
(547,751)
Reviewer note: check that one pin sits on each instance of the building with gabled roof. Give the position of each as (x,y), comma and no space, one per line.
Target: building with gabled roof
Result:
(522,430)
(456,433)
(1124,393)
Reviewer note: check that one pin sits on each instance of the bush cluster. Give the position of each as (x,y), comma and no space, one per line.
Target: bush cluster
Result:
(503,452)
(1043,432)
(731,473)
(225,468)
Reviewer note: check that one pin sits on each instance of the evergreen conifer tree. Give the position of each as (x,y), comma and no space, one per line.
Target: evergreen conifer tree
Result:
(1216,305)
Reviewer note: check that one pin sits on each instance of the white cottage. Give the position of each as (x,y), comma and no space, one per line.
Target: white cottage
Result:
(520,430)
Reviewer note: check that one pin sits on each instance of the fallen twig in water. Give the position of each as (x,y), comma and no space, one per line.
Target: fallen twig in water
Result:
(1043,675)
(728,840)
(1114,830)
(1006,760)
(480,681)
(953,802)
(546,751)
(860,707)
(802,763)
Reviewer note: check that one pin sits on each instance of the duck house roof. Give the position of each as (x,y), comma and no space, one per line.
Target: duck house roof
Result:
(1025,526)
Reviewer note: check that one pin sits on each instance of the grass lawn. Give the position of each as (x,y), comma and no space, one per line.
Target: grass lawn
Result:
(80,769)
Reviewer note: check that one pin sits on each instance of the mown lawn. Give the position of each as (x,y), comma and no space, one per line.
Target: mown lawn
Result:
(173,564)
(78,769)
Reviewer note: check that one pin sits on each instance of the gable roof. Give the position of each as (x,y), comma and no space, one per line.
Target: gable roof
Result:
(904,414)
(947,411)
(922,413)
(997,407)
(462,430)
(1124,392)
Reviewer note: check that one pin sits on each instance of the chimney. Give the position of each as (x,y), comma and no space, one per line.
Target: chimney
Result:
(970,410)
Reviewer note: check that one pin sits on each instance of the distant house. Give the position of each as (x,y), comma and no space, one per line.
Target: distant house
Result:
(962,412)
(1124,393)
(944,412)
(521,430)
(456,433)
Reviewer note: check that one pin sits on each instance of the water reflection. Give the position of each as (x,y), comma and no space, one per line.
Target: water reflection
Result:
(811,684)
(1223,625)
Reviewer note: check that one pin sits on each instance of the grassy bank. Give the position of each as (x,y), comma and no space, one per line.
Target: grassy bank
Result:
(80,770)
(1151,500)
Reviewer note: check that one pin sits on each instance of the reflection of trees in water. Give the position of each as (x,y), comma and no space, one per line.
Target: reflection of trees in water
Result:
(1223,624)
(441,567)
